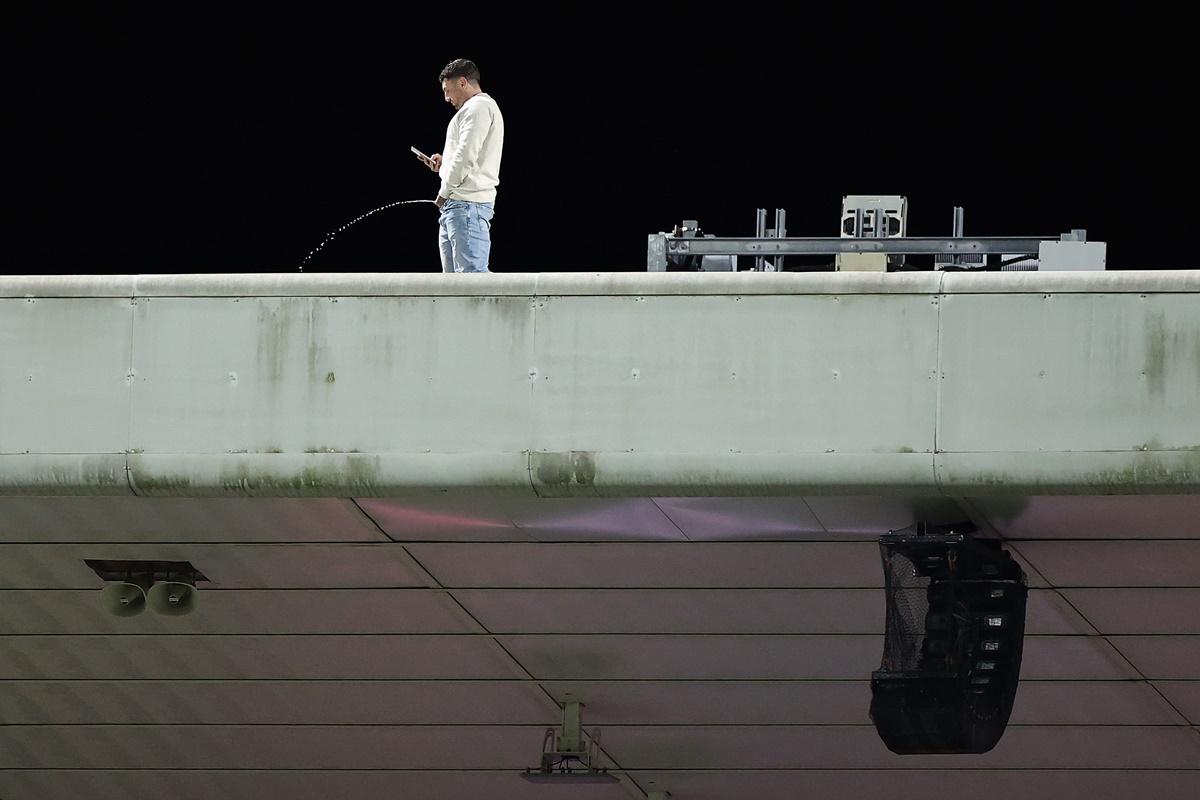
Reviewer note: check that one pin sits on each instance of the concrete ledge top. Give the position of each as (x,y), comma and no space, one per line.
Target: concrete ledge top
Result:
(377,284)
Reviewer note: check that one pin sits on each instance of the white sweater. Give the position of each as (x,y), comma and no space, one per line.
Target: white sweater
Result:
(471,158)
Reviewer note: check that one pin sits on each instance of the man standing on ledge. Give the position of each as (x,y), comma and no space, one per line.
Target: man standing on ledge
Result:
(470,170)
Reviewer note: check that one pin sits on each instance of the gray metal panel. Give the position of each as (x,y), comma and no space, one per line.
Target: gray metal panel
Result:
(1070,373)
(656,252)
(1071,255)
(733,375)
(264,375)
(64,375)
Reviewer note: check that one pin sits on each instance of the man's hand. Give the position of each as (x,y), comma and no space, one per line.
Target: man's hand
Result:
(435,162)
(440,201)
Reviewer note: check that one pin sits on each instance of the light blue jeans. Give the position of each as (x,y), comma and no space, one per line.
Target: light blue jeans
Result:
(465,235)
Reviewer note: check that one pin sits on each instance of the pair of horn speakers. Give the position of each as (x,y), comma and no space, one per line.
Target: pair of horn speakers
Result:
(164,587)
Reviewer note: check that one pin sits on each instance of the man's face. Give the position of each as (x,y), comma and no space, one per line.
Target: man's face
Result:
(455,91)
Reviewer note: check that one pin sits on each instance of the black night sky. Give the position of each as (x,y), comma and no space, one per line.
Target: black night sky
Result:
(218,145)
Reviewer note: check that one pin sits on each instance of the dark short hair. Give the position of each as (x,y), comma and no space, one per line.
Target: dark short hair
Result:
(460,68)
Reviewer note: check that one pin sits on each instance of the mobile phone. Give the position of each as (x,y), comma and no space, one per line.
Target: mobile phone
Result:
(420,155)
